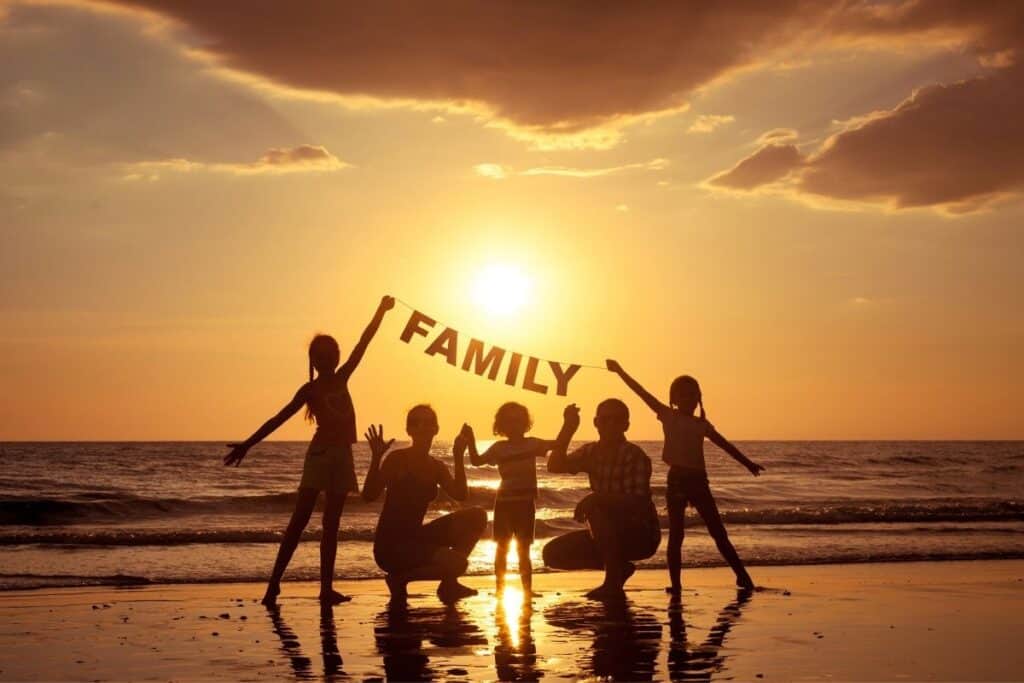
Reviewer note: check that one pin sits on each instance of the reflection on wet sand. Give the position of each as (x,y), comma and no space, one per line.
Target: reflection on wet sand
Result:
(401,630)
(515,655)
(700,662)
(625,643)
(302,665)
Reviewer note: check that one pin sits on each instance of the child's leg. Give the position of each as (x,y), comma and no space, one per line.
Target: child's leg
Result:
(304,504)
(676,531)
(500,561)
(525,564)
(333,507)
(524,539)
(705,504)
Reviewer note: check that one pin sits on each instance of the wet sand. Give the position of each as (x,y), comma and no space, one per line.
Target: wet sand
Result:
(910,621)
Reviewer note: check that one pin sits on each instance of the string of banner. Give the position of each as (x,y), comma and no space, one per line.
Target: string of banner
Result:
(488,360)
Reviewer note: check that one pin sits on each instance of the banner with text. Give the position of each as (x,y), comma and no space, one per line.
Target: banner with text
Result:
(515,369)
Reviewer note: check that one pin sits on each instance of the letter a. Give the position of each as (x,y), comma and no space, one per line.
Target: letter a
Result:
(445,343)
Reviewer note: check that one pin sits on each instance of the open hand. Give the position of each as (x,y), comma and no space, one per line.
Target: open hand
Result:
(387,303)
(375,437)
(613,365)
(755,469)
(238,451)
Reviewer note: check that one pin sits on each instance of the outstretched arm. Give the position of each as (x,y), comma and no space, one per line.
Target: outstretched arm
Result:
(558,462)
(374,483)
(648,398)
(239,450)
(736,453)
(386,304)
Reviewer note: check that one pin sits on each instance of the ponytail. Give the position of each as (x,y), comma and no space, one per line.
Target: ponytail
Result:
(309,410)
(700,402)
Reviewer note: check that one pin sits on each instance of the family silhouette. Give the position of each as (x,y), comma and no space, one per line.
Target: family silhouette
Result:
(621,519)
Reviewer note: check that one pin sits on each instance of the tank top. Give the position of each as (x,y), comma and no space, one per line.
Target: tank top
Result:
(405,506)
(335,415)
(684,439)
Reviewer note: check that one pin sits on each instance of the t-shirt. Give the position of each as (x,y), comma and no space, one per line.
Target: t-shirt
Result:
(618,468)
(517,465)
(684,439)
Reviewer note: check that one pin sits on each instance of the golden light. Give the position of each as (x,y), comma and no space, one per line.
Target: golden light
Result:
(501,289)
(511,611)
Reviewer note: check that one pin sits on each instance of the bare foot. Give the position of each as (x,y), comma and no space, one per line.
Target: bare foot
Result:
(745,582)
(333,598)
(270,597)
(607,593)
(453,592)
(674,591)
(397,586)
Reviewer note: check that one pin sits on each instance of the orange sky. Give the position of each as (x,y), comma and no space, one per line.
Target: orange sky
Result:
(814,210)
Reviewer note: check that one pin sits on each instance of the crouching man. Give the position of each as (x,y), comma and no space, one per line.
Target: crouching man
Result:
(620,514)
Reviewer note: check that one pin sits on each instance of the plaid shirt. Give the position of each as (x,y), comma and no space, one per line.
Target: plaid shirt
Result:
(622,469)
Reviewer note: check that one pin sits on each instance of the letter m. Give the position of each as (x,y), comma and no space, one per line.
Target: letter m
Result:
(475,357)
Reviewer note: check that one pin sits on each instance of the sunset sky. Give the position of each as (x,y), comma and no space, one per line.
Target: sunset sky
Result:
(812,207)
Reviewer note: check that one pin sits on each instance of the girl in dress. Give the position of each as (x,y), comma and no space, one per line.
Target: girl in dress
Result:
(329,466)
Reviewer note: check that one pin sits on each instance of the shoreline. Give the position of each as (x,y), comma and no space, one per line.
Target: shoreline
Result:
(841,622)
(130,581)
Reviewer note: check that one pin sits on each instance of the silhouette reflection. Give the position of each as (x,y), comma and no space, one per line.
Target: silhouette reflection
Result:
(701,662)
(401,630)
(291,648)
(515,654)
(625,641)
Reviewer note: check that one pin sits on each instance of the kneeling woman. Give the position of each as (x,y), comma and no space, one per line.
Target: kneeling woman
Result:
(405,547)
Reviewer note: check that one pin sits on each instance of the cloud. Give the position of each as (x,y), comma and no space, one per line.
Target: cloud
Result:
(499,172)
(557,74)
(275,161)
(492,171)
(956,147)
(767,165)
(705,123)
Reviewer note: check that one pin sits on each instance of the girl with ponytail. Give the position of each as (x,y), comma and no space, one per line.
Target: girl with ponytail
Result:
(687,475)
(328,466)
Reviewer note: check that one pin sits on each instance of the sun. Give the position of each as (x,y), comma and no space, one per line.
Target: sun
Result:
(501,289)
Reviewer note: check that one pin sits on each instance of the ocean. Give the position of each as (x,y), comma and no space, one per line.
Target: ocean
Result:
(134,513)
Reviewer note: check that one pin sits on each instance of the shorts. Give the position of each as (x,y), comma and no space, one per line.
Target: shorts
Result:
(330,468)
(514,519)
(398,551)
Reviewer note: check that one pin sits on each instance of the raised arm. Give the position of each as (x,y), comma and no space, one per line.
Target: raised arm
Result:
(736,453)
(349,366)
(648,398)
(239,450)
(456,488)
(469,439)
(558,461)
(374,483)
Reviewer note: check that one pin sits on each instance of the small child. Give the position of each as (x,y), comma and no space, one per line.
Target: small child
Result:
(687,476)
(514,506)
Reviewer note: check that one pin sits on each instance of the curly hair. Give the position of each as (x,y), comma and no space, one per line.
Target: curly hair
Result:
(509,412)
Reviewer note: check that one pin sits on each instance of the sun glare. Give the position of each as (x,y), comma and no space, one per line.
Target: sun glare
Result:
(501,289)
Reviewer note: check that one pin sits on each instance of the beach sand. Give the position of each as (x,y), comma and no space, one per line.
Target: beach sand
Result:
(906,621)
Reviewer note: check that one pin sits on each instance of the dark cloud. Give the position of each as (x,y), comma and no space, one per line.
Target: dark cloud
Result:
(553,67)
(766,165)
(958,146)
